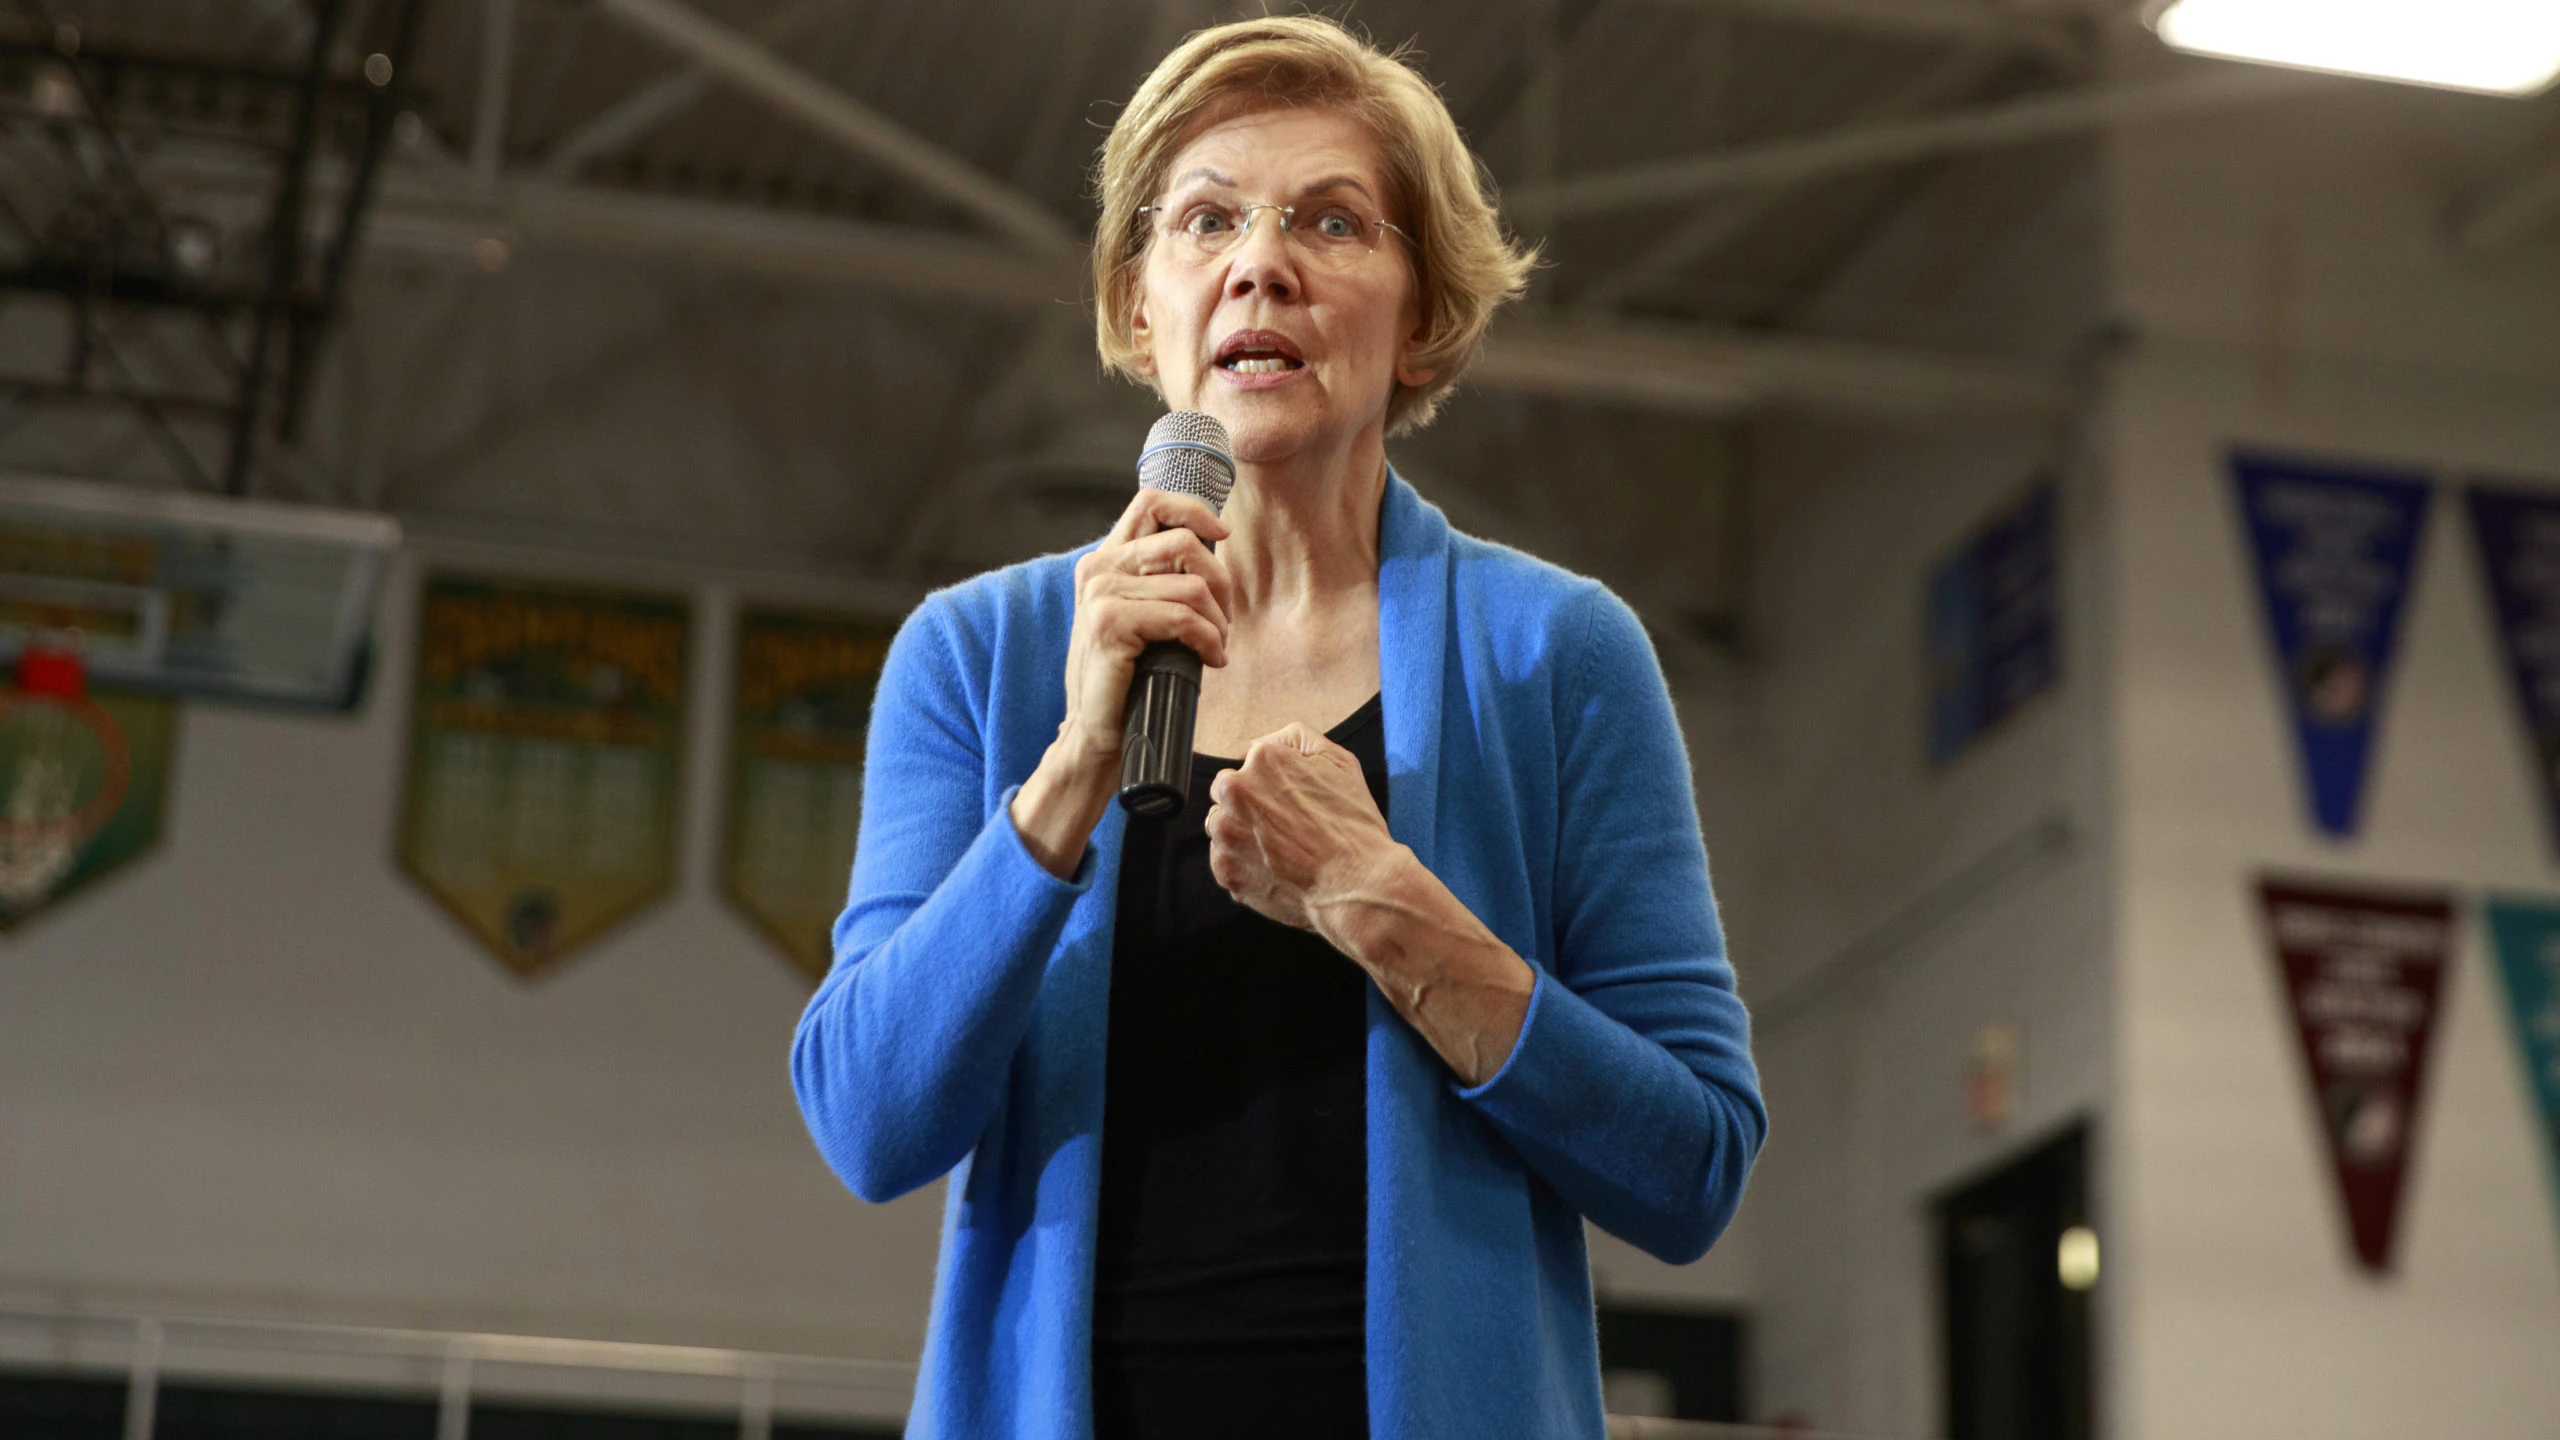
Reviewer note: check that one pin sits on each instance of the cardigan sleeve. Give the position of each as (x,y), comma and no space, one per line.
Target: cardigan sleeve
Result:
(1631,1088)
(901,1057)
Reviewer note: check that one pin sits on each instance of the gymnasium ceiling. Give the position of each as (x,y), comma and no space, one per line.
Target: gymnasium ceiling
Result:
(794,282)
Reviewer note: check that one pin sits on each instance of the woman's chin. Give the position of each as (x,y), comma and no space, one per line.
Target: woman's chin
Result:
(1266,444)
(1262,430)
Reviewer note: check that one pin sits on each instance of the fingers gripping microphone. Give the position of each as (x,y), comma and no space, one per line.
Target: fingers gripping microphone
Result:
(1186,453)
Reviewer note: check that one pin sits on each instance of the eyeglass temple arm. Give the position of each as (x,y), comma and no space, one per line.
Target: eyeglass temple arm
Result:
(1288,214)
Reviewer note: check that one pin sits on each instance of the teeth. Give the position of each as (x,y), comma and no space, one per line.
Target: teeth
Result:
(1258,366)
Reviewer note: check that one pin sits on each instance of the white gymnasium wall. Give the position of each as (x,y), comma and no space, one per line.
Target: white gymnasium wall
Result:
(2287,283)
(262,1074)
(1888,926)
(1892,910)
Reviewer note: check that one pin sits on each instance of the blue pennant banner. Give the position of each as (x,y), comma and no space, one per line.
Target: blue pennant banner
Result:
(2335,546)
(1994,631)
(2527,936)
(2519,535)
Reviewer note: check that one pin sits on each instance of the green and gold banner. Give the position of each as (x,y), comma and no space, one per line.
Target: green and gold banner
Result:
(801,710)
(84,784)
(546,743)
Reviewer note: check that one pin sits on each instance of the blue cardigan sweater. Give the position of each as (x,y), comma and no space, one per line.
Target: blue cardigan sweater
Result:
(1534,767)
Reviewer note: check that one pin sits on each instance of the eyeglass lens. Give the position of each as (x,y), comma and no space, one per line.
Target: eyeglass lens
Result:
(1328,230)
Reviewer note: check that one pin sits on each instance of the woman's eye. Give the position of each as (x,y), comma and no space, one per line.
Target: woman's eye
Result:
(1206,222)
(1336,225)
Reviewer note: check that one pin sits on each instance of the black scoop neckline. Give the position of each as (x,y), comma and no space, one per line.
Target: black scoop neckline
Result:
(1370,711)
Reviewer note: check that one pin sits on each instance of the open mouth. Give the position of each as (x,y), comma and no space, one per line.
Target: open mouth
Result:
(1259,352)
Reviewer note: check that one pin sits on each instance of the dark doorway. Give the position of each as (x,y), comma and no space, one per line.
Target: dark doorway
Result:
(2016,1264)
(1679,1364)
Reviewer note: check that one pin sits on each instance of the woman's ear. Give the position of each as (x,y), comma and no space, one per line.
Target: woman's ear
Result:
(1142,339)
(1407,374)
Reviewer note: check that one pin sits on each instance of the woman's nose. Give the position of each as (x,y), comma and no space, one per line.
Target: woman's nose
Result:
(1266,261)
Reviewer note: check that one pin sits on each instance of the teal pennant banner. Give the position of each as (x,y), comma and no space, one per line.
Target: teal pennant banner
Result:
(2527,936)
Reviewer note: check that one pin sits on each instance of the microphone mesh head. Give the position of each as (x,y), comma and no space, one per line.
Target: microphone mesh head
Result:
(1188,453)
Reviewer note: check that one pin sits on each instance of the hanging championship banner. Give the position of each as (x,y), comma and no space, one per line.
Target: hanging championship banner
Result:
(2363,970)
(1993,630)
(546,739)
(2519,538)
(801,711)
(2527,936)
(2334,548)
(84,784)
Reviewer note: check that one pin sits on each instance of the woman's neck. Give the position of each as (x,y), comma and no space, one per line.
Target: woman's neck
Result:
(1305,528)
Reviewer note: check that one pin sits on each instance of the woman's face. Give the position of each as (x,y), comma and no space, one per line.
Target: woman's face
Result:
(1296,351)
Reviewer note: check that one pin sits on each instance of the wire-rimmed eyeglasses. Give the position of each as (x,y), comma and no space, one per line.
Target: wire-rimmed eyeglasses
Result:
(1328,233)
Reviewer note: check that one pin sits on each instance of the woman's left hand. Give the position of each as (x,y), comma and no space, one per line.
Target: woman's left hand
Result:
(1295,836)
(1295,829)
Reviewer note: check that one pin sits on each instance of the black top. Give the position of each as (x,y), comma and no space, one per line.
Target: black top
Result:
(1231,1255)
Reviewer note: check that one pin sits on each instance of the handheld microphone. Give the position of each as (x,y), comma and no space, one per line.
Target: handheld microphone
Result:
(1187,453)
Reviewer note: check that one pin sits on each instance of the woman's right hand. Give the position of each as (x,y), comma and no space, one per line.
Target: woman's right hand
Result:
(1152,578)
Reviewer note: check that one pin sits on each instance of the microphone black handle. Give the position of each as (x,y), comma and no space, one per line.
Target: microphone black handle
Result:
(1155,731)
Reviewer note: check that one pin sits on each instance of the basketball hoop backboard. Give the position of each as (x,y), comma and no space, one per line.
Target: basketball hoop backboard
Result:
(192,594)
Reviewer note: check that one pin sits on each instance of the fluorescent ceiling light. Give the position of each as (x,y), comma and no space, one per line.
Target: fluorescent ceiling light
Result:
(2501,47)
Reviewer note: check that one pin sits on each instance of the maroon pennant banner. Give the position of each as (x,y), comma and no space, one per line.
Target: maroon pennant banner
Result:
(2363,971)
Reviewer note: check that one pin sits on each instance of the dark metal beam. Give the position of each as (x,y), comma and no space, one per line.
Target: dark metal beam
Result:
(56,392)
(109,64)
(310,325)
(119,261)
(155,410)
(179,95)
(284,247)
(95,95)
(48,275)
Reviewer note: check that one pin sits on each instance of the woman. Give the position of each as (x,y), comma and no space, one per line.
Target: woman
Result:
(1283,1116)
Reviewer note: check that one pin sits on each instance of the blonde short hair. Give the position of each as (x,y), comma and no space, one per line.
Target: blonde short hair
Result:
(1465,266)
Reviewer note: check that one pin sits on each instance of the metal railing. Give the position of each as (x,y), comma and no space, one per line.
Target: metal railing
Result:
(461,1362)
